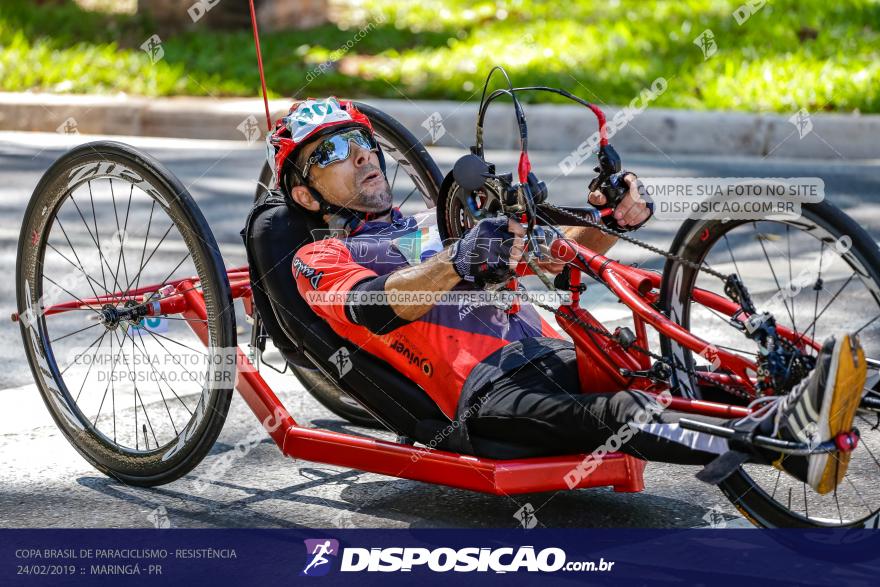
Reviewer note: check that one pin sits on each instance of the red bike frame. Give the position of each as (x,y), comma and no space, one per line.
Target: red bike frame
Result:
(599,359)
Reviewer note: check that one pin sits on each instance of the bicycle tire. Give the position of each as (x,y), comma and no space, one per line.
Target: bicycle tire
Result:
(100,160)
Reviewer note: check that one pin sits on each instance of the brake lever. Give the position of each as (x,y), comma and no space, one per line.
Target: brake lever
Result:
(609,164)
(614,189)
(609,182)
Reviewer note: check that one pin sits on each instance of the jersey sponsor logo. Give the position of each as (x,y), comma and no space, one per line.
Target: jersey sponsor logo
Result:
(300,268)
(465,309)
(414,359)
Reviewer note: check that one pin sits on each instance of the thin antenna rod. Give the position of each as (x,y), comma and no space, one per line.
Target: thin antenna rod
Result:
(260,64)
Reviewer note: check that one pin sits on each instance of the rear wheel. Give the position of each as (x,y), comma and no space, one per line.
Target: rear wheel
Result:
(107,231)
(817,274)
(415,181)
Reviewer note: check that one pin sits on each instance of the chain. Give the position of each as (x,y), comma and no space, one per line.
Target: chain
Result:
(637,242)
(596,329)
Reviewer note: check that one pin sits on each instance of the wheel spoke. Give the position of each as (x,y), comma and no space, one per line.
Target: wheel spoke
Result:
(730,252)
(182,319)
(141,268)
(173,356)
(817,287)
(144,408)
(163,378)
(82,352)
(816,319)
(89,370)
(865,444)
(75,332)
(806,507)
(97,234)
(146,238)
(775,279)
(124,233)
(414,190)
(119,232)
(394,179)
(113,394)
(106,389)
(170,273)
(102,261)
(836,498)
(89,279)
(859,493)
(76,256)
(98,239)
(155,334)
(134,398)
(868,323)
(160,377)
(68,292)
(178,363)
(159,387)
(790,278)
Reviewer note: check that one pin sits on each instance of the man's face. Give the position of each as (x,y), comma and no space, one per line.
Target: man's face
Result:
(356,183)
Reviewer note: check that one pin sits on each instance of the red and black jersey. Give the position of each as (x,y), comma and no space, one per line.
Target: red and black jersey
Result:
(437,351)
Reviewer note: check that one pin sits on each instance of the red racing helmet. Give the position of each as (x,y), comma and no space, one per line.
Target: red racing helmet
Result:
(311,119)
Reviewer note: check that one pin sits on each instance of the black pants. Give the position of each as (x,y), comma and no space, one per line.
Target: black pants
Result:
(539,403)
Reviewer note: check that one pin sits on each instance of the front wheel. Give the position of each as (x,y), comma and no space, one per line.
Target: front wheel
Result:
(817,274)
(108,231)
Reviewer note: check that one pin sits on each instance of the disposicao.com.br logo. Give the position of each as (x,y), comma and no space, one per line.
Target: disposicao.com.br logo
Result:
(318,551)
(443,559)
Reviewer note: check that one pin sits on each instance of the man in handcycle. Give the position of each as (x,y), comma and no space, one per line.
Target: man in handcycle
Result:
(507,375)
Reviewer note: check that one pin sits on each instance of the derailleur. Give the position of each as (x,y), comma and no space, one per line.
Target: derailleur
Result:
(780,365)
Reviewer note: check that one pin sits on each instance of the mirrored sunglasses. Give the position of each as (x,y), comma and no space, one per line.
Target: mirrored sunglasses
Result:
(337,148)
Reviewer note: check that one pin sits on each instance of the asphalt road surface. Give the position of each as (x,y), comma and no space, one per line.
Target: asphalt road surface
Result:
(45,483)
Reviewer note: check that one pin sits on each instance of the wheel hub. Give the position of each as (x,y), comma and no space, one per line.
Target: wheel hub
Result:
(109,316)
(131,311)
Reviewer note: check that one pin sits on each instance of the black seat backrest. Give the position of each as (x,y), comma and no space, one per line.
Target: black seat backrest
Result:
(275,229)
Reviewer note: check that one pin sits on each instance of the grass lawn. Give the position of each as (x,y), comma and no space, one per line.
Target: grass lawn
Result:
(789,54)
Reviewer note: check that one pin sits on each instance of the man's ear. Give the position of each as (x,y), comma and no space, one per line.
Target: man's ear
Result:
(302,196)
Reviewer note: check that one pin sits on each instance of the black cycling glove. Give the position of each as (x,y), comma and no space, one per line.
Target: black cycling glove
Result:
(482,255)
